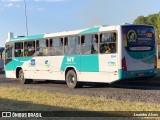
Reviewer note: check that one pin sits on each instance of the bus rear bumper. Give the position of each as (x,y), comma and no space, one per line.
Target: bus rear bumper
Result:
(136,74)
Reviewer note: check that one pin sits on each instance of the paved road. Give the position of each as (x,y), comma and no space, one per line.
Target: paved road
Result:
(131,90)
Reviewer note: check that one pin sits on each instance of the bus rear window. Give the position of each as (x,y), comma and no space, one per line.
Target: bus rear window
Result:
(138,38)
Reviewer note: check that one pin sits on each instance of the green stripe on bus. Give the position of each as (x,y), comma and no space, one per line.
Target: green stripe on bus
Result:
(91,30)
(83,63)
(16,62)
(27,38)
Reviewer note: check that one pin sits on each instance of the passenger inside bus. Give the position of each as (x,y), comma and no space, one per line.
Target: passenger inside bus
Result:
(111,48)
(108,43)
(108,48)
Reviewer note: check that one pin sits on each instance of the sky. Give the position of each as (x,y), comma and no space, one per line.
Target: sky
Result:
(48,16)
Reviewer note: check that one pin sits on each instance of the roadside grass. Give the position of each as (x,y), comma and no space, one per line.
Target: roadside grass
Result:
(27,100)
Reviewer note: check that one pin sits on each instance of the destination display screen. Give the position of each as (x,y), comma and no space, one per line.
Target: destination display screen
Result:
(138,38)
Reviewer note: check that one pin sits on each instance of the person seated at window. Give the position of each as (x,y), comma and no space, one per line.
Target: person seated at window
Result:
(107,51)
(111,48)
(103,48)
(21,55)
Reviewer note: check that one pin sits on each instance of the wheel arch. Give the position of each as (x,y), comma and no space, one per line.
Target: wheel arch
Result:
(70,68)
(17,71)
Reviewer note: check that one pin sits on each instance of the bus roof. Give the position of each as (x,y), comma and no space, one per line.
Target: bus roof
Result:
(69,33)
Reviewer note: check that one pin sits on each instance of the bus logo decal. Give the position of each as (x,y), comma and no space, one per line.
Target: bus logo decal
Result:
(113,56)
(132,36)
(33,62)
(47,63)
(111,63)
(70,59)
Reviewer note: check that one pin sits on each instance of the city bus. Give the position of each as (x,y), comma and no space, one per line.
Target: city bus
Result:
(1,58)
(103,54)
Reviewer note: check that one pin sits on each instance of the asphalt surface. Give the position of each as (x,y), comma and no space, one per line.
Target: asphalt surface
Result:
(130,90)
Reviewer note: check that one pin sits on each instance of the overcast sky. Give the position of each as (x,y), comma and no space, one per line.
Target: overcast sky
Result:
(47,16)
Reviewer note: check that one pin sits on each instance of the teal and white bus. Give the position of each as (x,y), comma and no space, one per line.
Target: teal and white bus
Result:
(100,54)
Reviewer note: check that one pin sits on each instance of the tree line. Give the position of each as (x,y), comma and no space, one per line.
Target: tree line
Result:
(153,19)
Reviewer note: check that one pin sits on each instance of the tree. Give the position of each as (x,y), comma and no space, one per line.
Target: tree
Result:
(140,20)
(154,20)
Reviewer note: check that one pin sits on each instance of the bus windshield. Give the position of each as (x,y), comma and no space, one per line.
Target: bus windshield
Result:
(138,38)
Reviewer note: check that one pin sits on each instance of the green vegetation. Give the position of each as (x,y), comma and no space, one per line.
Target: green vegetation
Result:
(154,20)
(19,99)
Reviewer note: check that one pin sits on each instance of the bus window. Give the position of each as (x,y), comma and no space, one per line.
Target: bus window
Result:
(50,42)
(37,45)
(108,43)
(73,46)
(47,44)
(94,47)
(42,48)
(56,46)
(9,48)
(18,49)
(89,44)
(29,48)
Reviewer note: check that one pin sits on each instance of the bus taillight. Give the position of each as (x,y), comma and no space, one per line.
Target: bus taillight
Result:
(124,66)
(155,64)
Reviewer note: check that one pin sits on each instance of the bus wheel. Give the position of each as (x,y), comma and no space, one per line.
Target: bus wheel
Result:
(71,79)
(22,80)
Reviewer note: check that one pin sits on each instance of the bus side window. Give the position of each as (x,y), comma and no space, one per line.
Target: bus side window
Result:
(86,44)
(18,49)
(8,53)
(51,42)
(56,48)
(36,48)
(42,47)
(47,44)
(108,43)
(73,47)
(66,46)
(94,47)
(82,40)
(29,48)
(37,45)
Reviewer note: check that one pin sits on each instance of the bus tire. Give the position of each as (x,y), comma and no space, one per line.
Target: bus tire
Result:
(22,80)
(71,80)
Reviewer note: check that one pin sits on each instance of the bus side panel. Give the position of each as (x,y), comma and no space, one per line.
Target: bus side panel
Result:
(109,64)
(93,77)
(10,74)
(12,64)
(90,69)
(45,68)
